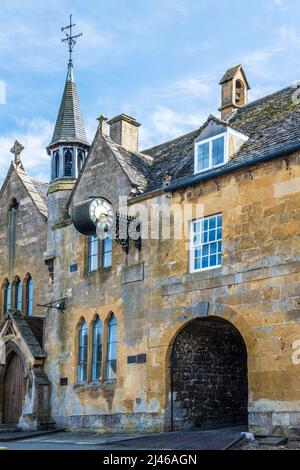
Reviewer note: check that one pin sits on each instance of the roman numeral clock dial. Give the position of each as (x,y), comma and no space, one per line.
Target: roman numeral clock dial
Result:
(95,215)
(102,213)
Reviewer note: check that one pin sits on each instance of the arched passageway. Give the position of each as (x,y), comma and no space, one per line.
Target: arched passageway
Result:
(209,379)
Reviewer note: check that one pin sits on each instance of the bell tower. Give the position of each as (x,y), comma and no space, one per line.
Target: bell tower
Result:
(235,89)
(69,146)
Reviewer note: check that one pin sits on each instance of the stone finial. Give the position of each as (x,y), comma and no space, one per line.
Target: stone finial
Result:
(103,126)
(16,150)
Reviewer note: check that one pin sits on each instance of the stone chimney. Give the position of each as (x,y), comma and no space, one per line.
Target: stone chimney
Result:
(235,88)
(124,131)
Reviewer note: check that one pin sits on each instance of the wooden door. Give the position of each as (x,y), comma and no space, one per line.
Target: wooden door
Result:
(14,390)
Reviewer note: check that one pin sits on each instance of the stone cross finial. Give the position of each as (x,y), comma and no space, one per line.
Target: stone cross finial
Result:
(17,149)
(102,126)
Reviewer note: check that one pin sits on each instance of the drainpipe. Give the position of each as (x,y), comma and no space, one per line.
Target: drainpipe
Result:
(230,168)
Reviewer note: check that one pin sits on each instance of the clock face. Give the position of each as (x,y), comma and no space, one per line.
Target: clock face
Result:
(101,212)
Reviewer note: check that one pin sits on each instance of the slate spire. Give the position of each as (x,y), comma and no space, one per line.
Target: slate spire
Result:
(69,127)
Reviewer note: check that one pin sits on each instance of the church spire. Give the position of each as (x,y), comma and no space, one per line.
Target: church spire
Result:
(69,145)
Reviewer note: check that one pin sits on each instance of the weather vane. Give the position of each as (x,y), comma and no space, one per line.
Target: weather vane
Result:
(70,39)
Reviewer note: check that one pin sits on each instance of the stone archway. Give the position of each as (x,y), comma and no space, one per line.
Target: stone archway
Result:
(13,389)
(22,355)
(209,376)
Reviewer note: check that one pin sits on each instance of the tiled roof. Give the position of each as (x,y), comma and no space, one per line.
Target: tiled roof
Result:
(69,124)
(28,335)
(136,165)
(271,123)
(37,190)
(36,324)
(230,74)
(31,331)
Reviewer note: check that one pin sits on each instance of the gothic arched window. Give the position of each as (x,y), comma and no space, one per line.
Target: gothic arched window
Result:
(56,164)
(29,296)
(11,231)
(6,296)
(97,350)
(18,294)
(82,352)
(80,160)
(112,346)
(68,162)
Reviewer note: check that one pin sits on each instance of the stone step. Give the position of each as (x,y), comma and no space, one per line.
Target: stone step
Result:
(18,436)
(5,428)
(274,441)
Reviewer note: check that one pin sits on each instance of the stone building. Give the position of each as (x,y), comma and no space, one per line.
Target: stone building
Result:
(159,332)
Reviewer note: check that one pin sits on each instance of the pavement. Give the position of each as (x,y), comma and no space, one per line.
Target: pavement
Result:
(213,439)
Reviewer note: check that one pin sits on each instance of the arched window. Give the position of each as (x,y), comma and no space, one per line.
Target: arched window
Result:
(80,159)
(68,162)
(93,253)
(240,93)
(106,251)
(56,164)
(112,346)
(11,231)
(6,296)
(82,352)
(18,295)
(29,296)
(97,350)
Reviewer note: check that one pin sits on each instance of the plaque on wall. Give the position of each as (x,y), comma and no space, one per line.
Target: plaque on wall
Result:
(133,273)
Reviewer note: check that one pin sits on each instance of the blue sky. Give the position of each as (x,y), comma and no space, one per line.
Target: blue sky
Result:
(157,60)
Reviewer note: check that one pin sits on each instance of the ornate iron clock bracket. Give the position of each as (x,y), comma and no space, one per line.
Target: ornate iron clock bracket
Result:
(123,238)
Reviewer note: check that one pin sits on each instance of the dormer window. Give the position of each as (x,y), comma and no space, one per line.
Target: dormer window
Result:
(210,153)
(216,150)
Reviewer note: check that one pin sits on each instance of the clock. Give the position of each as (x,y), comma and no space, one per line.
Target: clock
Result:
(102,213)
(96,212)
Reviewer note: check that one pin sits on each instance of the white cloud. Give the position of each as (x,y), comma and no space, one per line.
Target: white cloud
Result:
(34,135)
(165,123)
(289,35)
(260,62)
(257,63)
(277,5)
(193,87)
(90,128)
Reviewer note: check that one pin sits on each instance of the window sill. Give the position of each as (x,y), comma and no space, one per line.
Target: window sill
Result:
(205,270)
(99,270)
(95,385)
(198,172)
(204,273)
